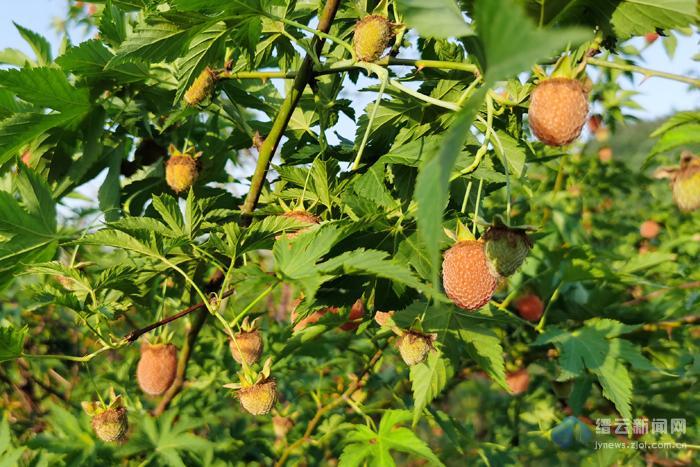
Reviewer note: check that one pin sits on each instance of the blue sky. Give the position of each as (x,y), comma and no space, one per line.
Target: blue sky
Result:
(657,96)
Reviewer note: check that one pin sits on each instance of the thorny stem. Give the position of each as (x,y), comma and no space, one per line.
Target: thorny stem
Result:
(648,73)
(324,409)
(133,335)
(347,65)
(267,150)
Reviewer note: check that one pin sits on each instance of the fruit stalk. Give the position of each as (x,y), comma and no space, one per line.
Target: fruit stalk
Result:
(304,75)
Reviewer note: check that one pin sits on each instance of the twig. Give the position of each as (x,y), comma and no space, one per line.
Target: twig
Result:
(133,335)
(268,148)
(648,73)
(324,409)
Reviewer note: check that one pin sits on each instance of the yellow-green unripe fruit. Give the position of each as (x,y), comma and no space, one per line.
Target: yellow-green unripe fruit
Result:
(506,249)
(111,425)
(372,36)
(686,186)
(202,87)
(414,347)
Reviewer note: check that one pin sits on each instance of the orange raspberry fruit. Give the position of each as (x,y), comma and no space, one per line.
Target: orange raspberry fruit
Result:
(157,368)
(248,347)
(530,307)
(558,110)
(259,398)
(518,381)
(466,275)
(649,229)
(181,169)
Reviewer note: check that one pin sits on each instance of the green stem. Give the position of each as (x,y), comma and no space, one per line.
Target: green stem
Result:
(316,32)
(552,299)
(648,73)
(245,311)
(84,358)
(368,130)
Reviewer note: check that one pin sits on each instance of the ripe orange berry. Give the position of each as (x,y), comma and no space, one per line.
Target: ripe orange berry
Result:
(157,368)
(649,229)
(466,275)
(530,307)
(558,110)
(248,347)
(518,381)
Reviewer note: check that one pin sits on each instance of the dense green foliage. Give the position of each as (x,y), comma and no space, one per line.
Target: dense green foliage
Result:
(443,150)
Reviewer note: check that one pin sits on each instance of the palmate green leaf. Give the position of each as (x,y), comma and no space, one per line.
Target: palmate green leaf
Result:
(433,180)
(296,258)
(112,24)
(428,379)
(371,186)
(90,58)
(374,262)
(20,129)
(624,18)
(36,197)
(38,43)
(366,445)
(122,240)
(203,50)
(45,87)
(109,194)
(680,130)
(596,347)
(441,19)
(169,211)
(511,41)
(11,342)
(14,57)
(153,42)
(9,454)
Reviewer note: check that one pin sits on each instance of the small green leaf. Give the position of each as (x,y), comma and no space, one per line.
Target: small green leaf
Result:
(441,19)
(11,342)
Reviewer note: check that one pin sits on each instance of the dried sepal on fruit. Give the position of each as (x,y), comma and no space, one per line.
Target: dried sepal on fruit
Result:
(248,344)
(202,88)
(157,367)
(257,392)
(415,346)
(373,34)
(109,422)
(181,169)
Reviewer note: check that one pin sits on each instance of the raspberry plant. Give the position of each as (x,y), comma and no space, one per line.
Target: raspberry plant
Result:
(233,200)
